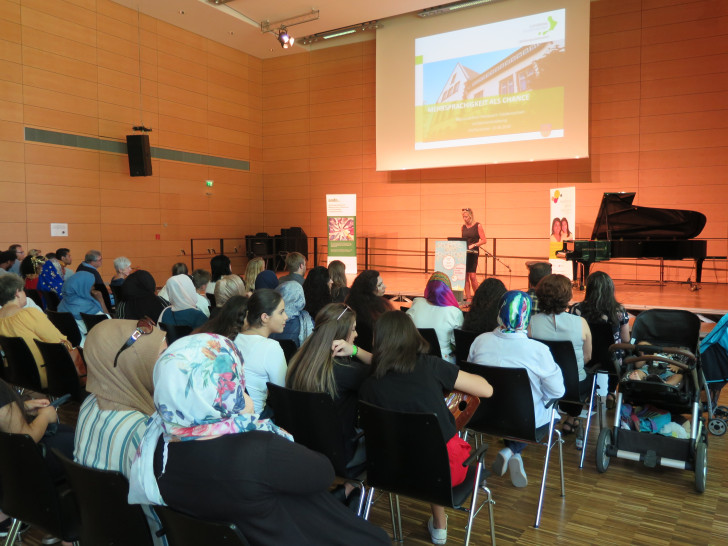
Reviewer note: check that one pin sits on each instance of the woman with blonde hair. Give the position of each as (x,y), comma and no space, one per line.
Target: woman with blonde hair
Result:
(254,268)
(227,287)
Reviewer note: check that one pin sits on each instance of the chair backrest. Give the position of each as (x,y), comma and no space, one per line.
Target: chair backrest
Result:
(92,320)
(116,292)
(406,454)
(312,419)
(565,357)
(107,518)
(34,295)
(66,324)
(105,295)
(60,371)
(431,337)
(211,299)
(602,338)
(174,332)
(22,370)
(29,493)
(463,341)
(667,327)
(51,300)
(509,412)
(289,348)
(183,530)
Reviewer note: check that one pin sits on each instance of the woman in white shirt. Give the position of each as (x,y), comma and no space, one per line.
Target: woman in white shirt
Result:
(439,310)
(264,358)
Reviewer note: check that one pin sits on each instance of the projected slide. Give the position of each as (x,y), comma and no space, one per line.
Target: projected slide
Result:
(494,83)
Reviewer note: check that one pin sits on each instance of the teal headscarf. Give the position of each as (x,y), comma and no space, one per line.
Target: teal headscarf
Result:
(514,311)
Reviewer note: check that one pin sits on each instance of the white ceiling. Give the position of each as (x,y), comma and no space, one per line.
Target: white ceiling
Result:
(237,23)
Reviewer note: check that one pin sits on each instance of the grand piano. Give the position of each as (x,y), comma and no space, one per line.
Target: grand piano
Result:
(624,230)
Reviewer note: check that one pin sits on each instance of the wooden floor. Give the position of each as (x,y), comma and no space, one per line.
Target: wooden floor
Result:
(629,504)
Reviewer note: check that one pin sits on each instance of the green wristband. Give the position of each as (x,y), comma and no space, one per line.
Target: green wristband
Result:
(354,350)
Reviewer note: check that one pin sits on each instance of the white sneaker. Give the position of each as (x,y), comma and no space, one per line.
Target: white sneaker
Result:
(438,536)
(518,473)
(501,461)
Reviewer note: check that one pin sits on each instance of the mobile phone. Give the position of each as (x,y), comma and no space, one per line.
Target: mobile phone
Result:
(61,400)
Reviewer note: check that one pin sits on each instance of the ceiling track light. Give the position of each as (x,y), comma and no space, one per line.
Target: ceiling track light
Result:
(284,38)
(455,6)
(338,32)
(280,28)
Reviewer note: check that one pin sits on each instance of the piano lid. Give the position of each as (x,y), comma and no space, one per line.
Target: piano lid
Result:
(618,218)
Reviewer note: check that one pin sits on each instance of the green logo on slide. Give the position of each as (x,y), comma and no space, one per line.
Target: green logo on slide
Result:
(552,25)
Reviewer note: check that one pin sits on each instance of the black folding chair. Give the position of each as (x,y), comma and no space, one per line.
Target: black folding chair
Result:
(289,348)
(211,299)
(66,324)
(22,370)
(463,341)
(51,300)
(312,420)
(29,493)
(92,320)
(61,372)
(407,455)
(34,295)
(509,413)
(184,530)
(431,337)
(174,332)
(107,518)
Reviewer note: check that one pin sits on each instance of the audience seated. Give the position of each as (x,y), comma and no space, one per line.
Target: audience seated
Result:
(553,324)
(439,310)
(483,314)
(29,323)
(536,272)
(18,254)
(177,269)
(138,298)
(325,364)
(229,320)
(266,279)
(52,275)
(253,269)
(248,471)
(405,378)
(80,296)
(299,324)
(113,418)
(7,261)
(227,287)
(183,309)
(200,280)
(339,288)
(219,266)
(92,262)
(509,347)
(366,298)
(264,358)
(317,290)
(296,267)
(122,266)
(31,266)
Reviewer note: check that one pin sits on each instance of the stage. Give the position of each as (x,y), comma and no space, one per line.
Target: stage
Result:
(710,300)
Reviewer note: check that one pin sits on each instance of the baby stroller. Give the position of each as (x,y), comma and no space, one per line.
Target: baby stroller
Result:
(714,361)
(660,339)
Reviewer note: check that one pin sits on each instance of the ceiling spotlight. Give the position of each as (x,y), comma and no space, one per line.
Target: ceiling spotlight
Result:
(284,38)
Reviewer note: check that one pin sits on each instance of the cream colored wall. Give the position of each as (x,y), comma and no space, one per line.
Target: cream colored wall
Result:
(72,66)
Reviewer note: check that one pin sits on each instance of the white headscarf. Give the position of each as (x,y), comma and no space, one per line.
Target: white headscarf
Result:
(181,292)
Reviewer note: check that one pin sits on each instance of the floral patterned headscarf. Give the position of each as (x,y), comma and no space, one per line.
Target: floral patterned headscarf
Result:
(514,311)
(198,393)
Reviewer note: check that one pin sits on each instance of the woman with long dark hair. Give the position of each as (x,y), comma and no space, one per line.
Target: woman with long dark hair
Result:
(366,298)
(483,314)
(339,288)
(317,290)
(229,320)
(405,378)
(219,266)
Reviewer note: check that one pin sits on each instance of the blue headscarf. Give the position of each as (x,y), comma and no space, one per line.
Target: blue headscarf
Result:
(77,296)
(514,311)
(266,279)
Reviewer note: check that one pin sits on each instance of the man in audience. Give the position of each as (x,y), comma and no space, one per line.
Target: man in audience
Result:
(536,272)
(19,255)
(91,264)
(64,257)
(296,267)
(201,278)
(7,260)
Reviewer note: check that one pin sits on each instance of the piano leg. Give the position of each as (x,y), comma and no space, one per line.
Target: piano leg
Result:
(699,269)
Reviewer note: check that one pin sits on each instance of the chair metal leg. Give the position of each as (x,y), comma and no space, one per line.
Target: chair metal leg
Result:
(475,509)
(370,497)
(561,461)
(552,430)
(396,518)
(588,421)
(13,532)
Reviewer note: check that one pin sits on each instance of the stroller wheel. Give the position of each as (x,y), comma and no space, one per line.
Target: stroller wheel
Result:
(701,467)
(603,443)
(717,427)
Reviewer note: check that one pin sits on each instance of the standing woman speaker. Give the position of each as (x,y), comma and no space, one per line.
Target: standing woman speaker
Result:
(474,235)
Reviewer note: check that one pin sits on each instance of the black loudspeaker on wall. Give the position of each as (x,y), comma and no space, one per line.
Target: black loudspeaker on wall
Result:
(140,155)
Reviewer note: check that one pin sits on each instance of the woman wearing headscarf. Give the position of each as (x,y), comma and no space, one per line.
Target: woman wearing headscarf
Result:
(266,279)
(510,347)
(120,357)
(439,310)
(80,296)
(183,303)
(138,299)
(248,471)
(299,324)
